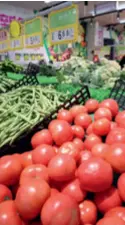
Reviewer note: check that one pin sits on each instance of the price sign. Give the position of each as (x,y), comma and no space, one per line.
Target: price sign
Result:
(34,40)
(4,41)
(17,57)
(16,36)
(16,43)
(3,46)
(3,35)
(33,33)
(63,25)
(63,35)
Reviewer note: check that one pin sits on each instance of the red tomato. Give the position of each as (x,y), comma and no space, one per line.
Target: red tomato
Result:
(61,131)
(116,136)
(30,198)
(62,167)
(107,200)
(43,154)
(110,104)
(54,191)
(84,155)
(78,131)
(9,214)
(95,175)
(92,105)
(65,115)
(89,129)
(5,193)
(55,148)
(83,120)
(103,113)
(62,210)
(88,212)
(91,140)
(111,221)
(71,149)
(113,125)
(120,119)
(116,211)
(76,109)
(121,186)
(41,137)
(101,127)
(116,157)
(74,190)
(100,150)
(26,159)
(79,143)
(10,170)
(37,171)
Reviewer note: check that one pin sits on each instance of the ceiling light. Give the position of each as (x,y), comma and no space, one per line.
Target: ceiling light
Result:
(122,21)
(118,16)
(47,1)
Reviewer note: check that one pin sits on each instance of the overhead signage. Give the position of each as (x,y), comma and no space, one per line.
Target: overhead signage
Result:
(33,33)
(63,25)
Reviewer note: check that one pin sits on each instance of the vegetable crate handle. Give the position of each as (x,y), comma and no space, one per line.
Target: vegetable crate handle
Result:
(118,93)
(23,144)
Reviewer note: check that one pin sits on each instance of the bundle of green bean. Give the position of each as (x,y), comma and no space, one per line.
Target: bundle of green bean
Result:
(5,83)
(23,108)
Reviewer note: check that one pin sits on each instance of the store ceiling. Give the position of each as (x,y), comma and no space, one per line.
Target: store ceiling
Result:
(83,10)
(31,5)
(41,4)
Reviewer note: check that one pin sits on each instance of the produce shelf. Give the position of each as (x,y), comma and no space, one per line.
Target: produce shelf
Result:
(15,76)
(22,144)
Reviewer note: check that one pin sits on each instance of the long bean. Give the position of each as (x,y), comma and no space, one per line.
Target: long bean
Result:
(23,108)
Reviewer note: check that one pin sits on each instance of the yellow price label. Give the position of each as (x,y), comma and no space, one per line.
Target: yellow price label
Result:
(26,57)
(16,43)
(4,46)
(17,57)
(32,57)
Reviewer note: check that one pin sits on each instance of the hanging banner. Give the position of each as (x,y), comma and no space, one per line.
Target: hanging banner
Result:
(63,25)
(16,36)
(4,44)
(33,33)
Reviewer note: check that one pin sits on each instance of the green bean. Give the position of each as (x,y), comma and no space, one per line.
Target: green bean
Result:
(22,109)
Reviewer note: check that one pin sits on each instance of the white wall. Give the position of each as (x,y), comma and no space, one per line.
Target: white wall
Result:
(8,13)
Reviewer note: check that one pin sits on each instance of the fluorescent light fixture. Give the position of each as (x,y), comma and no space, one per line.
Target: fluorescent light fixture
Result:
(118,16)
(47,1)
(122,21)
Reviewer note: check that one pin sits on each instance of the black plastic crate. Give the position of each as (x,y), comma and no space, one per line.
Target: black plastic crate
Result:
(22,144)
(32,69)
(28,79)
(118,93)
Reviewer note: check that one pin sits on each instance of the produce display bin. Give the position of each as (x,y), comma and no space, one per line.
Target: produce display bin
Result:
(15,76)
(32,69)
(44,80)
(22,144)
(29,78)
(118,93)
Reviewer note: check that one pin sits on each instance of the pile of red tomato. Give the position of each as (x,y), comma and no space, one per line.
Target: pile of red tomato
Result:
(75,174)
